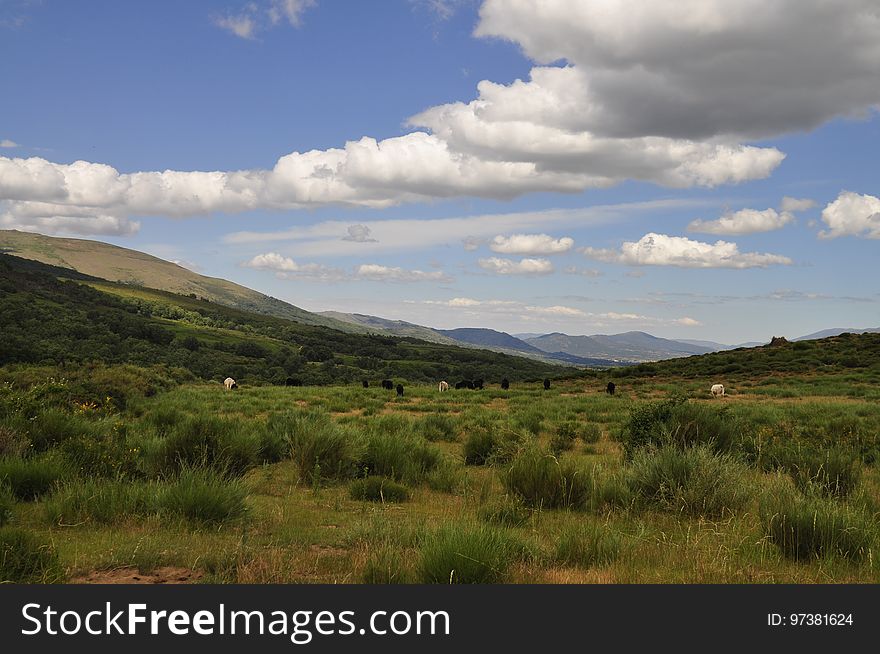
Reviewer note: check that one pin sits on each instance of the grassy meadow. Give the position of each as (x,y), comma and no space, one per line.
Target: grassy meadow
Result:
(168,481)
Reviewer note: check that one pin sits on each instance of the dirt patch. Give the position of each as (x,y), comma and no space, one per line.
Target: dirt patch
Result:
(128,575)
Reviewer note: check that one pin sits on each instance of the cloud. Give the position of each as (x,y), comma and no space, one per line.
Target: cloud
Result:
(852,214)
(585,272)
(553,313)
(662,250)
(359,234)
(695,69)
(471,232)
(254,18)
(287,268)
(672,92)
(376,273)
(795,205)
(501,266)
(243,25)
(744,221)
(530,244)
(8,143)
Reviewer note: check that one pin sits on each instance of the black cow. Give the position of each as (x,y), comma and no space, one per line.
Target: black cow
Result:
(293,381)
(505,384)
(366,383)
(400,390)
(461,384)
(478,385)
(387,384)
(546,384)
(610,388)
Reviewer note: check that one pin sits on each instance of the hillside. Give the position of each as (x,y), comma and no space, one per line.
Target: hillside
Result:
(393,327)
(50,321)
(117,264)
(629,346)
(837,331)
(846,354)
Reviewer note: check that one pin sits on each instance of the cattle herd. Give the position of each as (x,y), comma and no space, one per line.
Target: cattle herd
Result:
(229,383)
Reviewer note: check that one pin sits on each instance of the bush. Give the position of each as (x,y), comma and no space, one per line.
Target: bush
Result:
(810,527)
(541,480)
(105,455)
(479,447)
(52,427)
(27,479)
(204,441)
(378,489)
(401,456)
(27,559)
(101,501)
(834,471)
(204,496)
(588,545)
(318,446)
(438,427)
(681,423)
(694,480)
(446,477)
(463,555)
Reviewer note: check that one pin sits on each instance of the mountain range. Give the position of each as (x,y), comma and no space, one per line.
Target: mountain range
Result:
(137,269)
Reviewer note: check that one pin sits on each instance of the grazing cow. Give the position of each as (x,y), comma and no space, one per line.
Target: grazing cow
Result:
(400,390)
(717,389)
(546,384)
(610,388)
(478,385)
(366,383)
(459,385)
(444,386)
(505,384)
(387,384)
(229,383)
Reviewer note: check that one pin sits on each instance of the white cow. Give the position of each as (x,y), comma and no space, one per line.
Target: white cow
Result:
(229,383)
(444,386)
(717,389)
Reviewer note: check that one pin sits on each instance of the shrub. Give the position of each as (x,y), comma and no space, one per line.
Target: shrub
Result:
(401,456)
(204,496)
(27,479)
(467,555)
(101,501)
(27,559)
(810,527)
(446,477)
(204,441)
(479,446)
(438,427)
(378,489)
(694,480)
(530,421)
(101,455)
(52,427)
(12,442)
(541,480)
(588,545)
(318,446)
(684,424)
(834,471)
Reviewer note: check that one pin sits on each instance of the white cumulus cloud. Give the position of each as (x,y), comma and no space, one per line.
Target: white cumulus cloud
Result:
(287,268)
(530,244)
(744,221)
(378,273)
(662,250)
(852,214)
(526,266)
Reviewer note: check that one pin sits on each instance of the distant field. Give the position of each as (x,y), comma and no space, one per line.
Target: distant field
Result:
(775,483)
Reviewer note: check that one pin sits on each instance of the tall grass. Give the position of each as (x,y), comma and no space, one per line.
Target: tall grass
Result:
(101,501)
(467,555)
(541,480)
(27,559)
(204,497)
(319,447)
(28,479)
(588,545)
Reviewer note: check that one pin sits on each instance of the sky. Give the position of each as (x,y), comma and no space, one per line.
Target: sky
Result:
(698,169)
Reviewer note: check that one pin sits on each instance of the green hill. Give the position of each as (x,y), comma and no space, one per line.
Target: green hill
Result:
(135,268)
(52,321)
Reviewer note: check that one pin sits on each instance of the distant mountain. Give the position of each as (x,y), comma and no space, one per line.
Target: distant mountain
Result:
(117,264)
(712,345)
(837,331)
(628,347)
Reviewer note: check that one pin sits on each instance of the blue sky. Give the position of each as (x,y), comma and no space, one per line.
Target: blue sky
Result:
(628,125)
